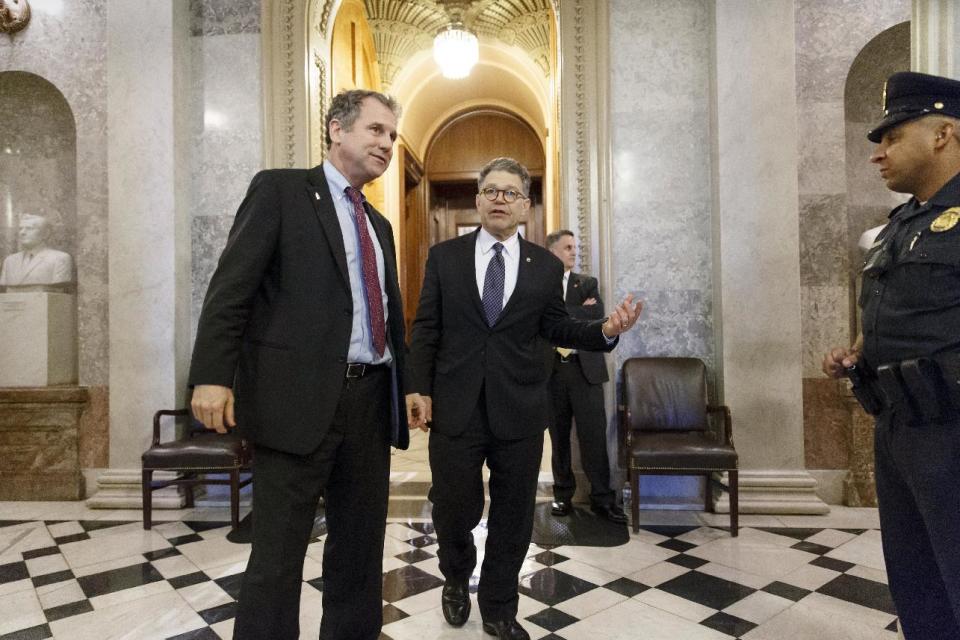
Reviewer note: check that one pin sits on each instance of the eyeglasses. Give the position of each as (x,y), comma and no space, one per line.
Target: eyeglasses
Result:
(509,195)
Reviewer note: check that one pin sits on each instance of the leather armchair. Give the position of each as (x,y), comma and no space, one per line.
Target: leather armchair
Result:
(199,452)
(667,427)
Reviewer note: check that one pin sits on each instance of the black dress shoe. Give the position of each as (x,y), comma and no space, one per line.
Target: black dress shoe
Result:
(506,630)
(611,512)
(455,602)
(560,507)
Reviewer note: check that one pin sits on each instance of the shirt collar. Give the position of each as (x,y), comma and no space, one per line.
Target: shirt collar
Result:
(486,241)
(335,180)
(949,194)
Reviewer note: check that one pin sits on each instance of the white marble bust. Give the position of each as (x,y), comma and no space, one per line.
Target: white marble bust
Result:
(36,266)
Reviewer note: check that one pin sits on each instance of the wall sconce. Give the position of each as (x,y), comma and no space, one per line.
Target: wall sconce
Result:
(14,15)
(455,51)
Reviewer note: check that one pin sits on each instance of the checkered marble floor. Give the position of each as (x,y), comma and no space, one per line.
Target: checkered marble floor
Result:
(100,575)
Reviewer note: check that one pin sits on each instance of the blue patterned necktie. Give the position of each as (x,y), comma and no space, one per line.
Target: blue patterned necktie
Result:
(493,286)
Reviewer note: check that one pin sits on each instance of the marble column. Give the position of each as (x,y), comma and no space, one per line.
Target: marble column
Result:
(149,263)
(756,255)
(934,30)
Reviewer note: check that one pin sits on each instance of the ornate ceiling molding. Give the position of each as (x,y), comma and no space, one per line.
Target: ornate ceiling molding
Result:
(402,28)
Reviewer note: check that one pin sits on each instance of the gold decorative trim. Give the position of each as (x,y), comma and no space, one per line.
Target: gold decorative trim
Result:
(289,136)
(321,102)
(581,139)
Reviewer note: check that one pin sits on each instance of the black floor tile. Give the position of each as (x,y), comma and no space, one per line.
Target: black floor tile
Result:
(76,537)
(690,562)
(187,539)
(40,553)
(552,636)
(855,532)
(408,581)
(13,523)
(136,575)
(860,591)
(231,584)
(188,580)
(676,545)
(423,527)
(97,525)
(220,613)
(810,547)
(316,583)
(552,619)
(705,589)
(416,555)
(50,578)
(791,532)
(199,526)
(13,572)
(392,614)
(205,633)
(68,610)
(422,541)
(40,632)
(728,624)
(831,563)
(892,626)
(162,553)
(626,587)
(549,558)
(670,531)
(552,587)
(787,591)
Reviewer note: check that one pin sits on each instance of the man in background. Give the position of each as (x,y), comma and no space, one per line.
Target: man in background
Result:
(576,393)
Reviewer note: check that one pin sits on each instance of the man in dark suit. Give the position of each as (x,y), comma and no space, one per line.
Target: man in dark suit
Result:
(576,392)
(303,324)
(476,373)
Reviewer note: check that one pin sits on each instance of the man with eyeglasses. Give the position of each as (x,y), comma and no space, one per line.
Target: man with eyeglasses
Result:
(478,382)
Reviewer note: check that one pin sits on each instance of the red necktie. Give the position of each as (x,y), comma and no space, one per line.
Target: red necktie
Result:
(371,279)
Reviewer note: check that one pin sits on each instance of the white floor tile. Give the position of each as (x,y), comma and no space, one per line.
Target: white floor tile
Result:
(174,566)
(831,538)
(758,607)
(204,595)
(46,564)
(809,621)
(100,567)
(867,573)
(20,610)
(761,558)
(657,574)
(625,559)
(675,604)
(631,620)
(121,545)
(214,552)
(591,602)
(60,593)
(735,575)
(151,618)
(586,572)
(123,596)
(809,577)
(864,550)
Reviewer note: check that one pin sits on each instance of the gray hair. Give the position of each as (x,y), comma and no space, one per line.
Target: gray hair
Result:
(510,166)
(555,237)
(345,108)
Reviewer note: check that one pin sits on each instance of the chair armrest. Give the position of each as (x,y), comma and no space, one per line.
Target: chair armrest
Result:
(165,412)
(727,420)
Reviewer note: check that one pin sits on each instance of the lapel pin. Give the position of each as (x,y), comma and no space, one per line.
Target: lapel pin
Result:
(316,195)
(528,260)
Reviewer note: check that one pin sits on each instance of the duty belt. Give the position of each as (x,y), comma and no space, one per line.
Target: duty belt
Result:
(917,390)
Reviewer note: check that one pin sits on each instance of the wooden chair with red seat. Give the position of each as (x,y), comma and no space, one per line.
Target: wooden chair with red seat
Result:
(667,427)
(199,452)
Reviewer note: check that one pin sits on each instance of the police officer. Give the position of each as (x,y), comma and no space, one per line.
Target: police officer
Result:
(905,365)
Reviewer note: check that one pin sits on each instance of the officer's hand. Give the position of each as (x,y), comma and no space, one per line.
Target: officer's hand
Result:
(838,360)
(589,301)
(419,411)
(213,406)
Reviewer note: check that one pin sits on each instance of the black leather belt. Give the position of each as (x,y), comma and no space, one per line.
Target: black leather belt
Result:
(569,358)
(360,369)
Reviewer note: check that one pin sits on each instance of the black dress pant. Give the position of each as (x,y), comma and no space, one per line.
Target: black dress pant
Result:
(918,488)
(351,468)
(572,398)
(456,463)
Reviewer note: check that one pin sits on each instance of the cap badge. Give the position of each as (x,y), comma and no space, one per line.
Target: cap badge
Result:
(938,105)
(946,220)
(883,99)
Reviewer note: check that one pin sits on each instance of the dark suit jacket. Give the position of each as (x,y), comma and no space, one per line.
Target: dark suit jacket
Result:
(276,321)
(454,354)
(579,288)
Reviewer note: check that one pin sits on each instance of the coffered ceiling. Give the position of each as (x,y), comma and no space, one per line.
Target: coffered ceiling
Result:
(402,28)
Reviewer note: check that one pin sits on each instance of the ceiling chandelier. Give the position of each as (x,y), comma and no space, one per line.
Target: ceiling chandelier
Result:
(456,50)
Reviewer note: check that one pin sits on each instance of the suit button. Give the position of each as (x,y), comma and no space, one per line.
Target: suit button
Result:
(341,359)
(347,312)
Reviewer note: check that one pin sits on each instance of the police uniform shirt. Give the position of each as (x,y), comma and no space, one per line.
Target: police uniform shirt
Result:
(911,281)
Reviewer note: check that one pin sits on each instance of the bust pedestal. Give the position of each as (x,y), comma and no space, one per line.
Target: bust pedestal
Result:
(38,339)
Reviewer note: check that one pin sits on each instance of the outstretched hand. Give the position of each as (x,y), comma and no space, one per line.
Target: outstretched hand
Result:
(623,317)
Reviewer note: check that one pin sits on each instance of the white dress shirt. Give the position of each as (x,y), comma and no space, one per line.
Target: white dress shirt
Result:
(511,261)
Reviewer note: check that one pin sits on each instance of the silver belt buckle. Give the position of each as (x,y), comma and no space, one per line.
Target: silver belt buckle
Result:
(355,369)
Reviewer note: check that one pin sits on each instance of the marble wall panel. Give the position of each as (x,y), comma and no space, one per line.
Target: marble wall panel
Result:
(65,44)
(208,236)
(824,255)
(659,85)
(827,412)
(222,17)
(821,147)
(826,323)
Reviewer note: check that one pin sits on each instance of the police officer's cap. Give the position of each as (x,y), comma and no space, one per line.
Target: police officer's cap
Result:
(908,95)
